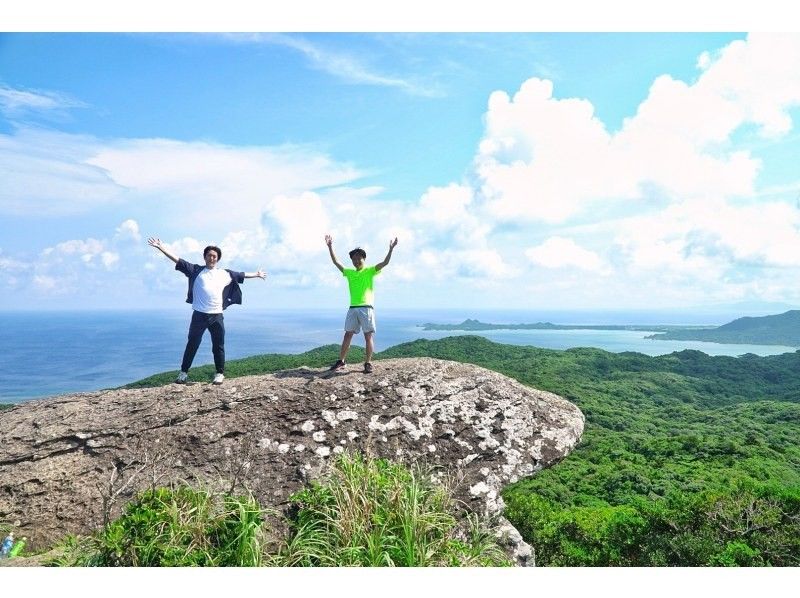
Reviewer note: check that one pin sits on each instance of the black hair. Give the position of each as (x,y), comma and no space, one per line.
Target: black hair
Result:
(215,248)
(358,251)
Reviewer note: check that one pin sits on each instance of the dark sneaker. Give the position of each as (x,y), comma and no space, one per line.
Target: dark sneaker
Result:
(368,368)
(339,365)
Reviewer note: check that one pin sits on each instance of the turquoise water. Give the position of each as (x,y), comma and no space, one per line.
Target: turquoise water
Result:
(48,353)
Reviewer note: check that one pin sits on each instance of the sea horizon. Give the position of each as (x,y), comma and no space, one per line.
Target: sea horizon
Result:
(55,352)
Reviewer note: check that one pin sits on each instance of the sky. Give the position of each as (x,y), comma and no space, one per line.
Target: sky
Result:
(545,170)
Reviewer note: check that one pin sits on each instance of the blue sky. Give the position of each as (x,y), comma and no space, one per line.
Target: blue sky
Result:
(539,171)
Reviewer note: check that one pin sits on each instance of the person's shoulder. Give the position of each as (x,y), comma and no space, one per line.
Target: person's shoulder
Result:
(185,266)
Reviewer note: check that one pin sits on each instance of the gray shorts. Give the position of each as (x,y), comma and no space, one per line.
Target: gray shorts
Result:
(358,318)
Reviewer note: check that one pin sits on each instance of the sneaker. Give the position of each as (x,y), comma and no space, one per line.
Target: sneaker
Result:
(219,378)
(337,366)
(182,377)
(368,368)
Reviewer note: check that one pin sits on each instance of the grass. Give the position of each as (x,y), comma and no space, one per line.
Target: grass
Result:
(366,512)
(372,512)
(174,527)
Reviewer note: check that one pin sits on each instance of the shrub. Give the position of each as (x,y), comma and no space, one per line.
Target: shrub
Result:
(177,527)
(371,512)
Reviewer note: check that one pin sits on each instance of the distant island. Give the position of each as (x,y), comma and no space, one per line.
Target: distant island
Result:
(475,325)
(780,329)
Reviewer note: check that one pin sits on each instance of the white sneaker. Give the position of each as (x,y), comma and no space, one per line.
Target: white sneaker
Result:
(219,378)
(182,377)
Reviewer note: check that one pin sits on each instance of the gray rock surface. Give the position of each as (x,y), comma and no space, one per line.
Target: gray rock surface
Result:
(67,463)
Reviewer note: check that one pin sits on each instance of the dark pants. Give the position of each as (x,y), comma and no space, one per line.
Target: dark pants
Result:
(201,322)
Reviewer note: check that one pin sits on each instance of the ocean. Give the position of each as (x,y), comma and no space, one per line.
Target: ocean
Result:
(50,353)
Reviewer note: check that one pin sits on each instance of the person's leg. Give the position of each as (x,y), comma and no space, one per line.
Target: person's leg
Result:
(348,337)
(369,341)
(196,329)
(216,326)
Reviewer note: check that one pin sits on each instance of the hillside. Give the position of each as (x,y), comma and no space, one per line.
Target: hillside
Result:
(779,329)
(686,459)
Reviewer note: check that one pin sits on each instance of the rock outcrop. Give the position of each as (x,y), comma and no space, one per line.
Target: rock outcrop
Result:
(67,463)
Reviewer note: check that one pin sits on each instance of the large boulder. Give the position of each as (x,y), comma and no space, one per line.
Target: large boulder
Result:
(69,463)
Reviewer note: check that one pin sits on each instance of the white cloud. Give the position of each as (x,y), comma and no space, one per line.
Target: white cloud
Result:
(50,173)
(249,246)
(45,283)
(541,157)
(8,264)
(708,239)
(761,76)
(302,222)
(549,159)
(475,266)
(343,65)
(19,102)
(46,173)
(109,259)
(710,236)
(560,252)
(86,249)
(128,231)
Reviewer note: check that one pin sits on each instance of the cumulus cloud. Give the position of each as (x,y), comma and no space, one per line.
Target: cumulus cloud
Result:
(8,264)
(712,237)
(547,168)
(91,252)
(300,222)
(560,252)
(549,159)
(128,230)
(450,215)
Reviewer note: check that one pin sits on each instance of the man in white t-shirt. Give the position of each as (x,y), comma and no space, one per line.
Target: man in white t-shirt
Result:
(211,290)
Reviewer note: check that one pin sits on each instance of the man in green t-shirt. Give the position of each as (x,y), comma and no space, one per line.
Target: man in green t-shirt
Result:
(361,314)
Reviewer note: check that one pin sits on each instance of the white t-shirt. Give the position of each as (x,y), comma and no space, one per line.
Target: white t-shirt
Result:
(207,290)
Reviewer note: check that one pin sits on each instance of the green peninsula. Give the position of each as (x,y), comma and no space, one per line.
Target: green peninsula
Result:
(475,325)
(779,329)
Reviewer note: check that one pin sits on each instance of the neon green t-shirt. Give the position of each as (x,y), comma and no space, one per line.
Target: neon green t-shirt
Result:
(360,283)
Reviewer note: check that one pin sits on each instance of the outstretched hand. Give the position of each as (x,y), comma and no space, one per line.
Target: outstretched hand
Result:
(261,274)
(328,240)
(156,242)
(393,243)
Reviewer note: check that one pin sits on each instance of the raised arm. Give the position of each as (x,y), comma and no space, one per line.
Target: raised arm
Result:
(156,242)
(329,243)
(382,265)
(260,274)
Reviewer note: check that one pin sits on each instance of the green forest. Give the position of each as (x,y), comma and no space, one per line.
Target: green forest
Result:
(686,459)
(778,329)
